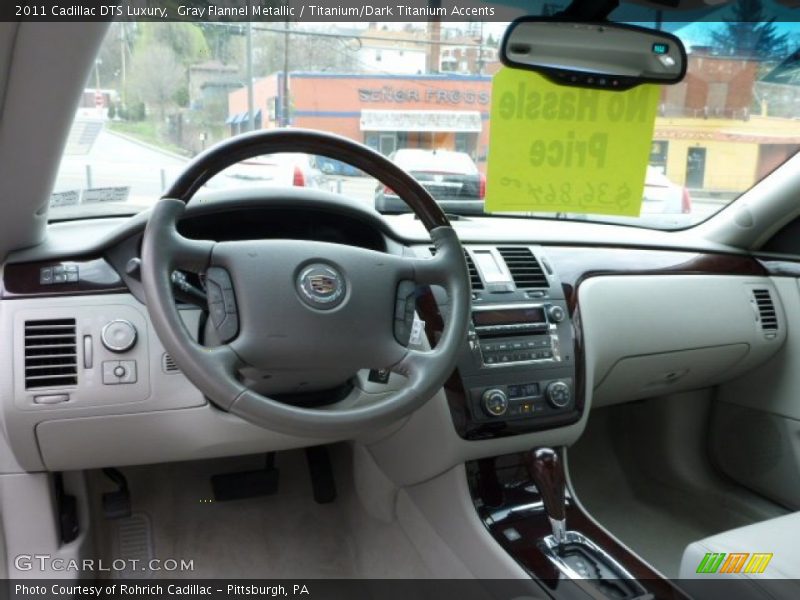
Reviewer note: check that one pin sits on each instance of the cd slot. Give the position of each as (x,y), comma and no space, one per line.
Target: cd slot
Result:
(511,330)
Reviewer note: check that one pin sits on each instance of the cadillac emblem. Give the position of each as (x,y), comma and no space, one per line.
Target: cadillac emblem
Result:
(321,286)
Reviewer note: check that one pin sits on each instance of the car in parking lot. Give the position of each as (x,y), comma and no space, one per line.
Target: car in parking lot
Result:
(291,169)
(451,177)
(331,166)
(663,197)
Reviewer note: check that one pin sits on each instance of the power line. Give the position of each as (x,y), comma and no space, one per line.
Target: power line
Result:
(356,36)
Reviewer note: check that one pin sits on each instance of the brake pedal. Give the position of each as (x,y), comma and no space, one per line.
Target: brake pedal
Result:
(321,471)
(117,504)
(246,484)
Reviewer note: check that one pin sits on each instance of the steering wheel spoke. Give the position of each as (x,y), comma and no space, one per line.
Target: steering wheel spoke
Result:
(432,271)
(412,365)
(191,255)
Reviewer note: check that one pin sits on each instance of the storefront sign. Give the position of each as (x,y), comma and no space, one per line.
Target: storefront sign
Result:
(420,120)
(428,95)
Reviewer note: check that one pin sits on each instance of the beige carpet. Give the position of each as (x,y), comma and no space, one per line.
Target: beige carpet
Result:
(286,535)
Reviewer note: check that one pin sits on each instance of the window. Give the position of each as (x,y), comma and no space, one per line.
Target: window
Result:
(732,120)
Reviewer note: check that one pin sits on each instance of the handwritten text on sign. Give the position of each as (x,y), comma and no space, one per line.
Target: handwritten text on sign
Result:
(564,149)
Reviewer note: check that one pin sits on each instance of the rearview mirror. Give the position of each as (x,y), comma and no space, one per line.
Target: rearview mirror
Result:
(597,55)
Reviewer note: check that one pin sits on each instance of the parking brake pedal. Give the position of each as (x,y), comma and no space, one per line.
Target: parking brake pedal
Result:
(322,481)
(117,504)
(246,484)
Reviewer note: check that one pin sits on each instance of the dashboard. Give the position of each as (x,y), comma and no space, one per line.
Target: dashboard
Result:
(558,326)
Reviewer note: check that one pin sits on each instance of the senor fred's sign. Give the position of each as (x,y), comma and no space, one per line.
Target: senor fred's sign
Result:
(564,149)
(428,95)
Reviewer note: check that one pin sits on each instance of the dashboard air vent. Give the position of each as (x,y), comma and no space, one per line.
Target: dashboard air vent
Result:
(51,353)
(474,277)
(766,310)
(168,364)
(524,268)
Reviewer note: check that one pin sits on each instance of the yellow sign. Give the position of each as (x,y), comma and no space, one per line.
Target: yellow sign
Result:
(557,148)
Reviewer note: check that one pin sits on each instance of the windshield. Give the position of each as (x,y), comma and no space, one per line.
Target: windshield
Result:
(419,93)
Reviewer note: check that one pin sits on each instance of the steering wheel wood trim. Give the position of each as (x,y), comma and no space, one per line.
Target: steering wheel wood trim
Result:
(234,150)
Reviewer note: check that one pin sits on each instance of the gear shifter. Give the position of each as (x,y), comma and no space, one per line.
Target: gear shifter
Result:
(547,472)
(572,553)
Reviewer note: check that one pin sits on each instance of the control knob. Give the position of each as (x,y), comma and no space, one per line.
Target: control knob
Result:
(495,402)
(556,314)
(558,394)
(119,335)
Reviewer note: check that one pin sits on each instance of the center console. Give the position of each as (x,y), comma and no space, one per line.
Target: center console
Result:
(516,373)
(527,505)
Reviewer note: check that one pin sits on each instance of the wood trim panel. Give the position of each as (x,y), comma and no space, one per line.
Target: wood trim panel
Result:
(486,478)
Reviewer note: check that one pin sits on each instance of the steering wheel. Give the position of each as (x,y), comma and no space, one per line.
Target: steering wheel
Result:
(288,304)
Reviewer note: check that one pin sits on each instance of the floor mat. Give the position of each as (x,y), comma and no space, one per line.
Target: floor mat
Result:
(286,535)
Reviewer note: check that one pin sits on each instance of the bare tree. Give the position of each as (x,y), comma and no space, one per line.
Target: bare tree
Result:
(156,77)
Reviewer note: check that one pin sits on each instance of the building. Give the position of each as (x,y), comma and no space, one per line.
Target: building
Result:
(723,155)
(210,81)
(711,134)
(389,51)
(383,111)
(466,55)
(708,136)
(714,86)
(778,92)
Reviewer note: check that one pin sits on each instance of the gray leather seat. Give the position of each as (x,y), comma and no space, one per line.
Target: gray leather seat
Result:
(779,537)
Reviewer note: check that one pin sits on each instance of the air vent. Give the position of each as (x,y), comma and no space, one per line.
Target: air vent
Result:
(51,354)
(766,310)
(524,267)
(474,277)
(168,364)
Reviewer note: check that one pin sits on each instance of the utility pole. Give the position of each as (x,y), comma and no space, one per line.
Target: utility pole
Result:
(434,38)
(285,82)
(123,61)
(480,51)
(251,115)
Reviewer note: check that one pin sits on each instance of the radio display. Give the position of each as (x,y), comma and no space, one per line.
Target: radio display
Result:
(508,316)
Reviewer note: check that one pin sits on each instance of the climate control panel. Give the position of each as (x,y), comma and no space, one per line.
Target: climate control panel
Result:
(521,400)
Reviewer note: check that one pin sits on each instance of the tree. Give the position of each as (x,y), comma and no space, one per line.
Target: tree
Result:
(156,77)
(748,33)
(307,52)
(109,59)
(186,40)
(220,38)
